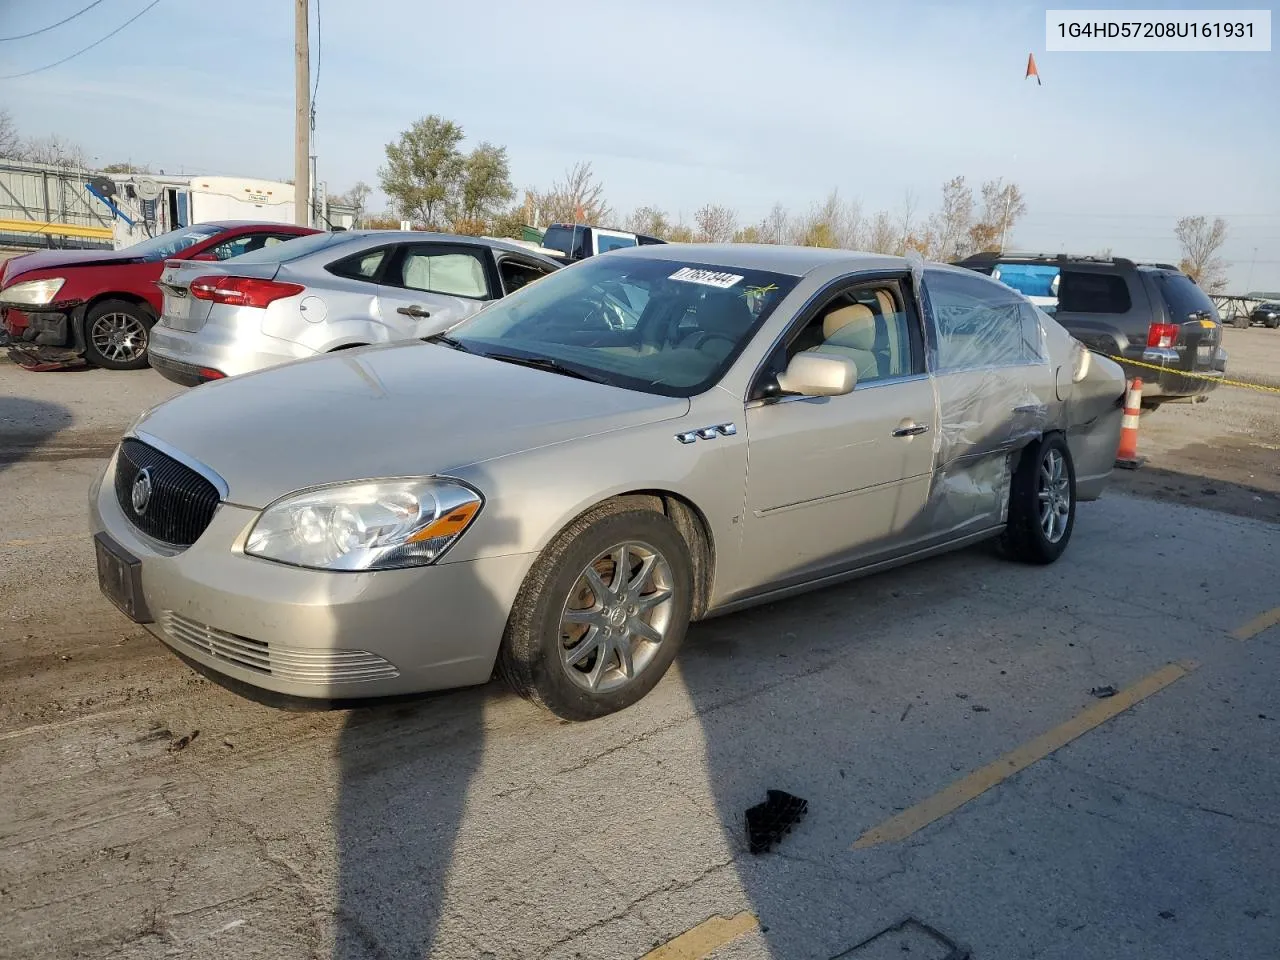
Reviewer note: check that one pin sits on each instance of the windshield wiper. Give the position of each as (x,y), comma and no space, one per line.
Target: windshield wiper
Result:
(447,340)
(546,363)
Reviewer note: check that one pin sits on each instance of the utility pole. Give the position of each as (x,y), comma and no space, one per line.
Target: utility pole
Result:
(302,116)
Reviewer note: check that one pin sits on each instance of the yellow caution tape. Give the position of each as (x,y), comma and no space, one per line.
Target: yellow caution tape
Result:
(1194,376)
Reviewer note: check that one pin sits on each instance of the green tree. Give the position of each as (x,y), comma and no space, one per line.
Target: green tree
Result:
(486,183)
(425,170)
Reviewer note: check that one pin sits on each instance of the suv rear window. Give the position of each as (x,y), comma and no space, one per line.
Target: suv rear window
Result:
(568,240)
(1185,299)
(1087,292)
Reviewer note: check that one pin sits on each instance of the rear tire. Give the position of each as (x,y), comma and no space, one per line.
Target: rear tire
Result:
(581,650)
(117,334)
(1042,503)
(1272,324)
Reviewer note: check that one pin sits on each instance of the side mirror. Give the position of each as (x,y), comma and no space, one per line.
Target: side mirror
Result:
(819,375)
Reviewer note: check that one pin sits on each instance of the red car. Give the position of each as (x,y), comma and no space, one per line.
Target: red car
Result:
(61,305)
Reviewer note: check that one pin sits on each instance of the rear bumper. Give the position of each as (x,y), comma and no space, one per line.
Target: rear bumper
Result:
(229,352)
(1173,381)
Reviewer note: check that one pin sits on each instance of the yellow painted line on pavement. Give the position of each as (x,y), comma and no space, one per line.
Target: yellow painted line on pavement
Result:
(916,818)
(1263,621)
(709,935)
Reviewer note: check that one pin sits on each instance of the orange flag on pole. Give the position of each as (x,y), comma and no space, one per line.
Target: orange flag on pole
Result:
(1031,69)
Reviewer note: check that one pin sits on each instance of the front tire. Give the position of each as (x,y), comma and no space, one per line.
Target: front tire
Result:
(117,334)
(601,615)
(1042,503)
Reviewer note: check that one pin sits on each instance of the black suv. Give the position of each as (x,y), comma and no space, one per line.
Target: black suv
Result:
(1150,313)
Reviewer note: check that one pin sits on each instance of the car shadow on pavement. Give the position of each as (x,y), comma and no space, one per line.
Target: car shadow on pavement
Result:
(28,428)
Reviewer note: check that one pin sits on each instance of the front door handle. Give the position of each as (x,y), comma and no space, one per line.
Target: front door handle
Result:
(414,311)
(911,430)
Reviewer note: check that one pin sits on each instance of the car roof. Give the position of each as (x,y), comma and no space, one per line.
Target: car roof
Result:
(776,258)
(239,224)
(426,236)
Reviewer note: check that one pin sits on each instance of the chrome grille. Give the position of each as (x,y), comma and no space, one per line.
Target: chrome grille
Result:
(181,502)
(295,664)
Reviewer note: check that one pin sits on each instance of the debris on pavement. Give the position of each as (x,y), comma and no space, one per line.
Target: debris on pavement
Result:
(183,742)
(1103,692)
(767,822)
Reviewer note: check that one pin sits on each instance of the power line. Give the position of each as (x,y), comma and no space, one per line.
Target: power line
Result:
(58,63)
(319,50)
(36,33)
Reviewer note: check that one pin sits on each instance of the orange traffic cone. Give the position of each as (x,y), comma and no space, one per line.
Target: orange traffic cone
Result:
(1127,455)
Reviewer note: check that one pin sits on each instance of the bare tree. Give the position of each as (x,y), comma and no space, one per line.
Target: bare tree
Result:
(651,221)
(882,234)
(1002,206)
(776,226)
(831,223)
(716,223)
(680,233)
(10,141)
(952,221)
(56,151)
(578,198)
(356,198)
(1201,242)
(909,204)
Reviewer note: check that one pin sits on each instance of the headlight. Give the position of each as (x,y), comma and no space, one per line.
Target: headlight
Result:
(372,525)
(1080,361)
(35,293)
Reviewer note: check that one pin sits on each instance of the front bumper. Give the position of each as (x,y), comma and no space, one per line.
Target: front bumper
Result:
(54,325)
(226,350)
(313,634)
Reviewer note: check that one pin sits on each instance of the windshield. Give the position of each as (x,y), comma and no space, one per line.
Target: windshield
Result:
(293,249)
(661,326)
(173,242)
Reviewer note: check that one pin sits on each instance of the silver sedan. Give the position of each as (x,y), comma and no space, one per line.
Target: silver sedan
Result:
(560,484)
(327,292)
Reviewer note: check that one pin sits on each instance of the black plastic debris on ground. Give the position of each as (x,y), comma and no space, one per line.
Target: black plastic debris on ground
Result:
(767,822)
(1103,692)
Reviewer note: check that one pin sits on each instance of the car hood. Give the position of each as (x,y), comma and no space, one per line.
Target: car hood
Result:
(412,409)
(52,259)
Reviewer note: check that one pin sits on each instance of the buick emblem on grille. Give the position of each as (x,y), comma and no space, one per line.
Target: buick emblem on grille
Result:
(140,495)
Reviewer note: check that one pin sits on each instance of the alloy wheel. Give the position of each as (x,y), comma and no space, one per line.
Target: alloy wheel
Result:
(617,616)
(119,337)
(1054,494)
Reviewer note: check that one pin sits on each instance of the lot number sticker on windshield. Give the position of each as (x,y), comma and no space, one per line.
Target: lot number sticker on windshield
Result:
(710,278)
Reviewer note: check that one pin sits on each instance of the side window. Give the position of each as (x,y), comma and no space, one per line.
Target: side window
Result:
(453,272)
(870,325)
(362,266)
(248,243)
(979,323)
(1082,291)
(517,273)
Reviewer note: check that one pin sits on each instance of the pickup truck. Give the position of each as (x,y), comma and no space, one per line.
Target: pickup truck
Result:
(576,241)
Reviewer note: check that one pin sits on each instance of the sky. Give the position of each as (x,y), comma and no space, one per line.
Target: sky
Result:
(676,104)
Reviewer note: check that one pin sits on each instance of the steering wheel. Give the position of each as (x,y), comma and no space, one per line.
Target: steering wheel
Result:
(695,340)
(584,311)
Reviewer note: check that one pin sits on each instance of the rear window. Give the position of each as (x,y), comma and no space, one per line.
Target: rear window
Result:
(1086,292)
(1186,300)
(606,242)
(293,249)
(564,239)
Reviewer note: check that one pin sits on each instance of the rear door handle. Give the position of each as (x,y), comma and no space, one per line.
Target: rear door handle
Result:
(914,430)
(414,311)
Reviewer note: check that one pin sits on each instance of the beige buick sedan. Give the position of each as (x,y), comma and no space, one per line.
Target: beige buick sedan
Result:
(560,484)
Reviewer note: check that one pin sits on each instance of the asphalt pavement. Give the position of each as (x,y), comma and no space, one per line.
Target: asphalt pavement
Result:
(1061,762)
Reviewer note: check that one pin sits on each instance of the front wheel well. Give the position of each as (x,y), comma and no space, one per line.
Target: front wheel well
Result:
(131,298)
(689,521)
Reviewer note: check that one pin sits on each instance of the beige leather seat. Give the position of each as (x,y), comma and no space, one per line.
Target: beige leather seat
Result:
(851,332)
